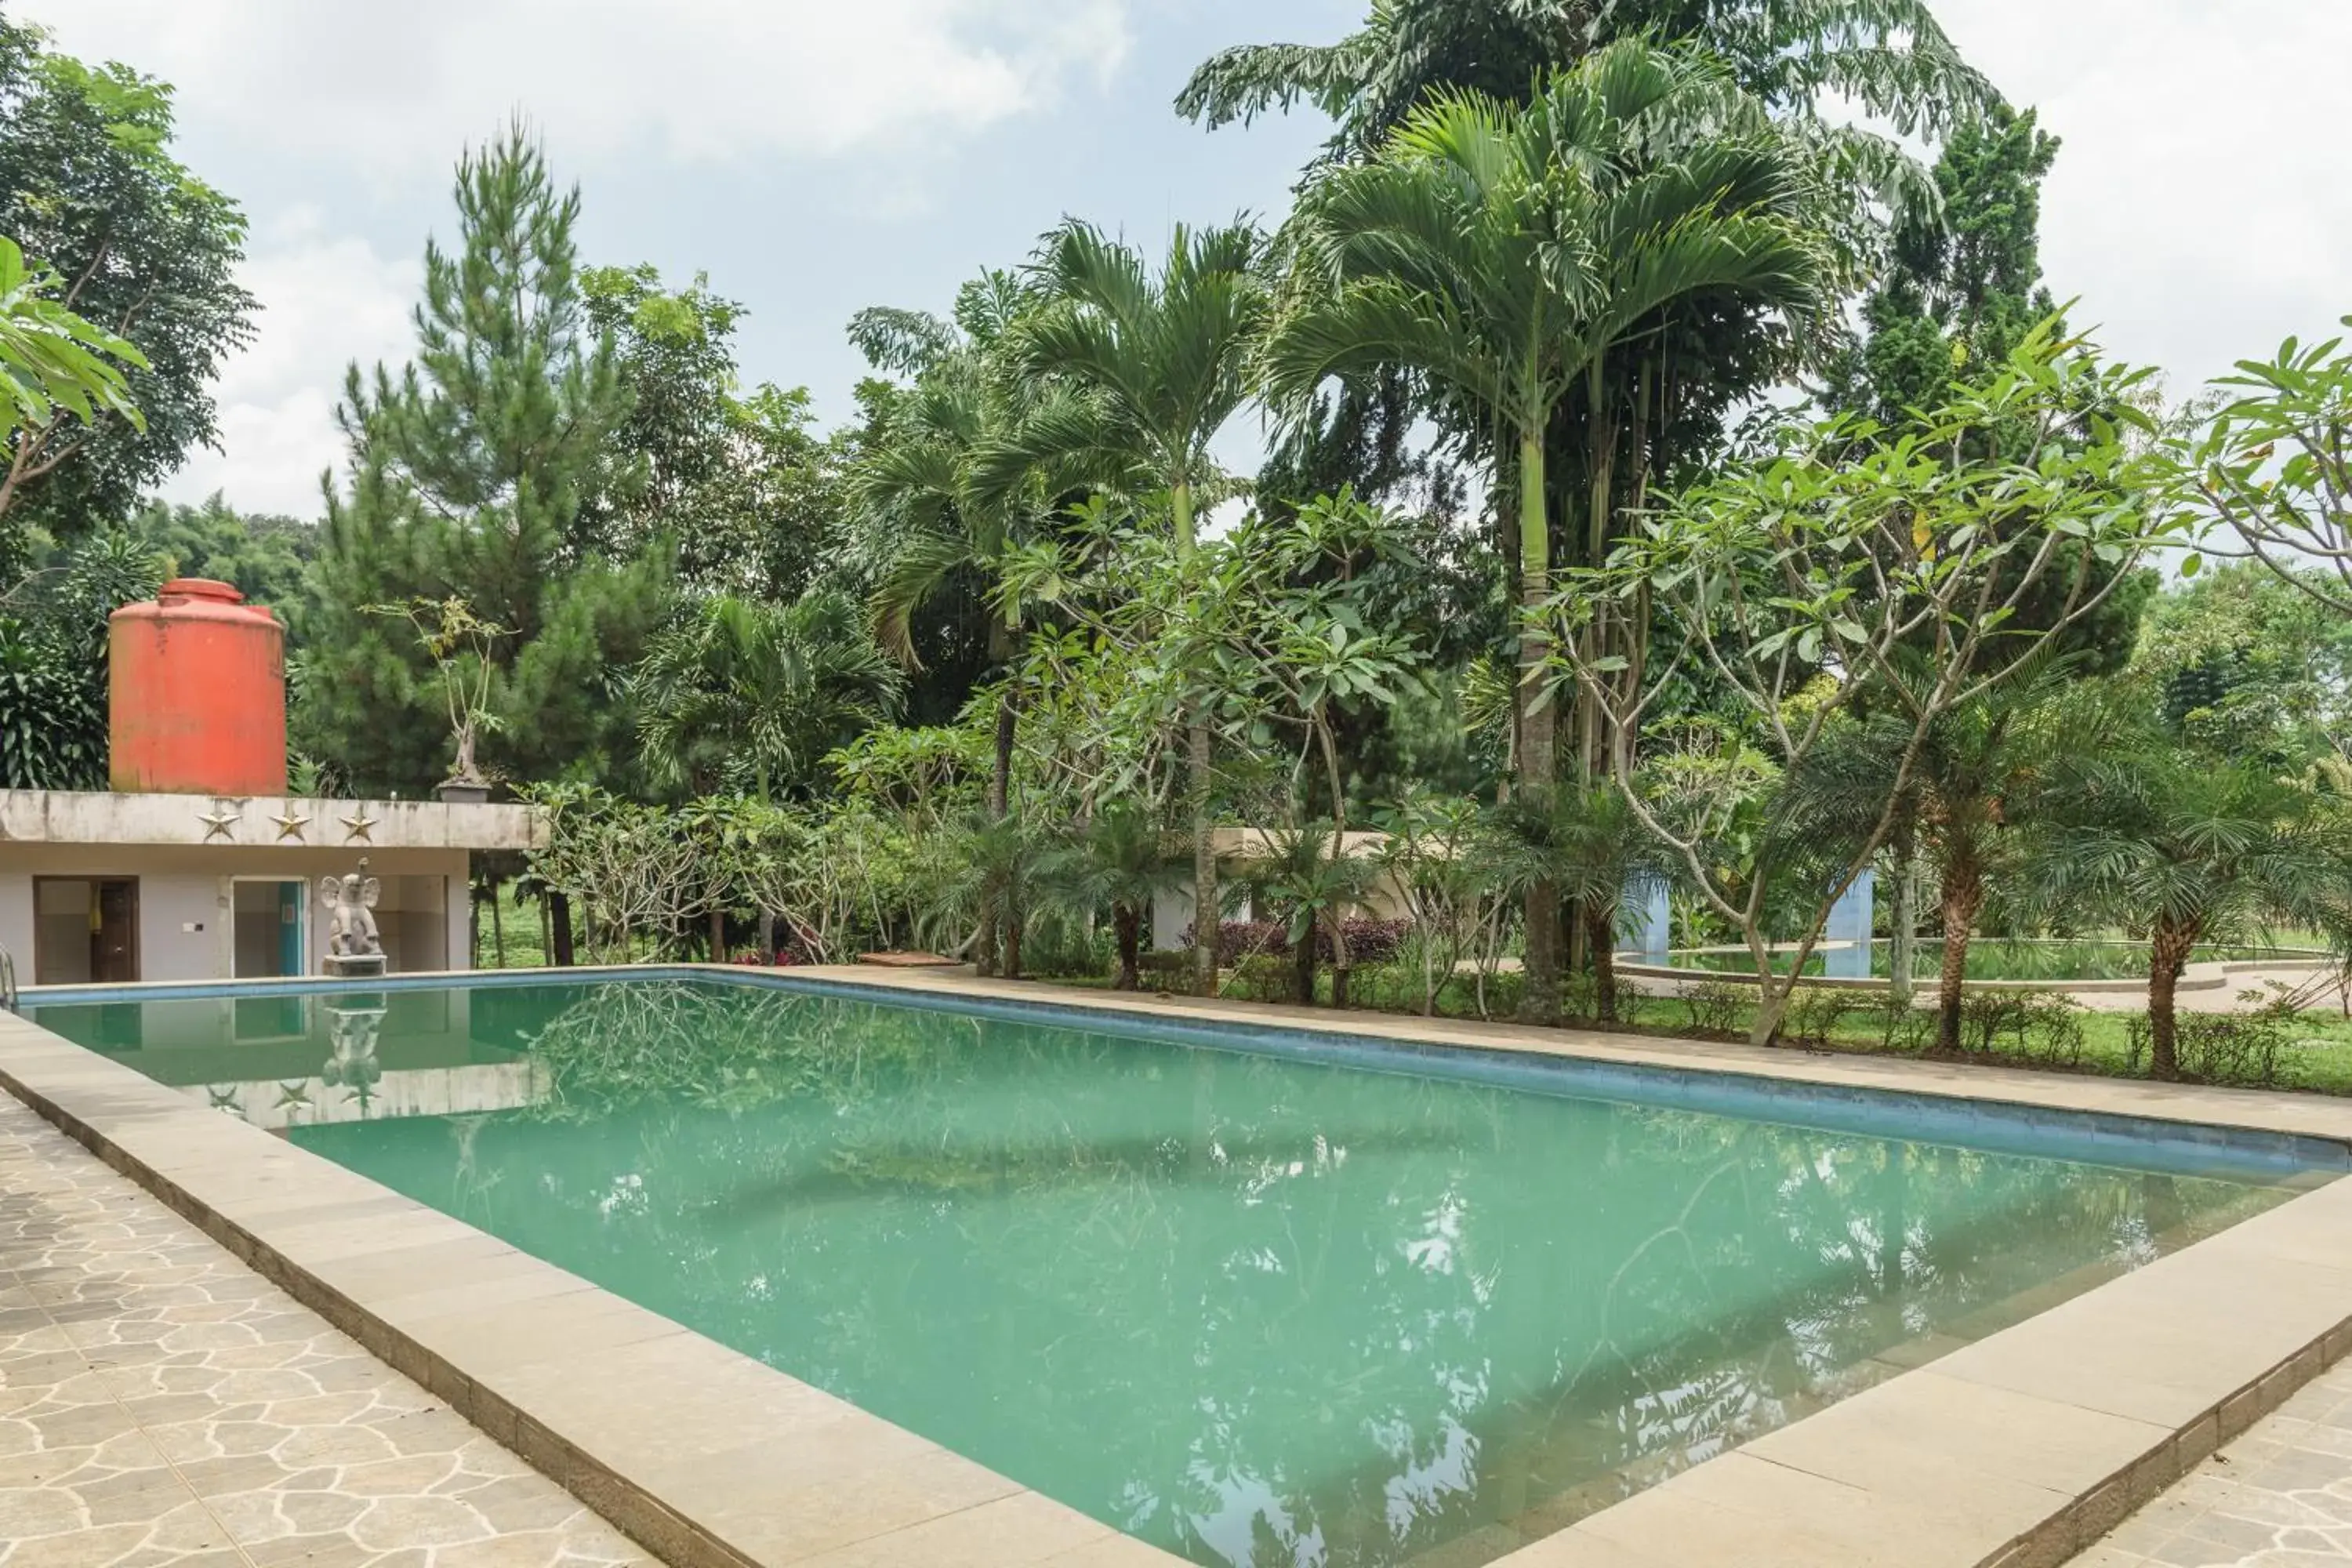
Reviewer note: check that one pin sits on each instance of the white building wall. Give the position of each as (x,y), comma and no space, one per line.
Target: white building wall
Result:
(186,929)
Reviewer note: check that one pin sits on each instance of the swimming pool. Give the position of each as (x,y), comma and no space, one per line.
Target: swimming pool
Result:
(1253,1307)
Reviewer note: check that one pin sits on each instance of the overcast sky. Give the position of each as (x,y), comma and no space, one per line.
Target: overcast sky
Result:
(815,156)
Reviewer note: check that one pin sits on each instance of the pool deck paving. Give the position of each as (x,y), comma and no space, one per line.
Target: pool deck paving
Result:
(162,1405)
(2279,1497)
(2018,1451)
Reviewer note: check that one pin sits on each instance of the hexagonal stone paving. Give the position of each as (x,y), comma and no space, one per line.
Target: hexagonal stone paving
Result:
(2279,1497)
(162,1405)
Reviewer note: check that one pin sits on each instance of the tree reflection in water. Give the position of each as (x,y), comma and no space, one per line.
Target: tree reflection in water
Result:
(1257,1311)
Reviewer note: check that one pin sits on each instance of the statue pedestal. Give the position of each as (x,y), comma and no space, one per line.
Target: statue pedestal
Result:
(354,965)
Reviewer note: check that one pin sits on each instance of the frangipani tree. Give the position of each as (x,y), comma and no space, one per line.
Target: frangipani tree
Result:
(2274,464)
(1499,253)
(1846,570)
(1258,636)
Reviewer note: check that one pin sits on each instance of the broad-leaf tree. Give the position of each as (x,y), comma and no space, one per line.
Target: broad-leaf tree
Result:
(141,249)
(263,556)
(2274,465)
(52,362)
(734,479)
(53,662)
(1890,55)
(1854,573)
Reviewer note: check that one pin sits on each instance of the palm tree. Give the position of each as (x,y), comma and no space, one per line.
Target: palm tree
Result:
(1004,875)
(925,517)
(742,691)
(2185,850)
(1499,253)
(1156,367)
(1585,842)
(1979,777)
(1307,873)
(1122,859)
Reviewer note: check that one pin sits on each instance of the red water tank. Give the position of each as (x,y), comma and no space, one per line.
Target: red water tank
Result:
(197,693)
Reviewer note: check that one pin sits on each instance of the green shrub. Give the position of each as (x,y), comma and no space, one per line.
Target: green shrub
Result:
(1817,1012)
(2038,1028)
(2241,1050)
(1714,1008)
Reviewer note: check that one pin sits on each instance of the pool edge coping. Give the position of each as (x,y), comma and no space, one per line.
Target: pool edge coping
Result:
(527,1394)
(2233,1372)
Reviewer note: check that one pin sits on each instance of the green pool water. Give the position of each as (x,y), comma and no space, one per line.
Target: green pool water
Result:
(1257,1310)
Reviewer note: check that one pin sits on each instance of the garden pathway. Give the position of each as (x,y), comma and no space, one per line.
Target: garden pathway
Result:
(162,1405)
(2279,1497)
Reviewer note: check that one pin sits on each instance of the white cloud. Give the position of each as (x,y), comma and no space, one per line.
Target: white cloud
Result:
(326,300)
(2197,206)
(396,88)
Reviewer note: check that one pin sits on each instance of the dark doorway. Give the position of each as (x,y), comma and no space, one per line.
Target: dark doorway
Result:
(85,930)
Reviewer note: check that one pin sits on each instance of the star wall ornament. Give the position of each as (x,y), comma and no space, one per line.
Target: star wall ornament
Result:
(290,826)
(220,822)
(359,825)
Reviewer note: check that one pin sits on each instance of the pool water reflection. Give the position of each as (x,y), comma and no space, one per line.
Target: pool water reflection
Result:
(1255,1311)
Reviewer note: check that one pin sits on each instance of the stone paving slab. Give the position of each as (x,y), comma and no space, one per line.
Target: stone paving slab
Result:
(2279,1497)
(162,1405)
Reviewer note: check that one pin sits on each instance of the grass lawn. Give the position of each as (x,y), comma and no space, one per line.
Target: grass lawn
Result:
(2313,1049)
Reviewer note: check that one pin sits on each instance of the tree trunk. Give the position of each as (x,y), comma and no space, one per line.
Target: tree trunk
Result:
(1904,930)
(1601,462)
(2169,950)
(1127,929)
(1963,897)
(497,926)
(1207,913)
(473,930)
(1602,923)
(559,906)
(996,914)
(1540,1002)
(1000,777)
(984,951)
(718,936)
(767,936)
(1302,965)
(1771,1005)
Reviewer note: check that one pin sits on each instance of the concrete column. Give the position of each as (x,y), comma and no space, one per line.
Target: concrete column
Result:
(1847,938)
(1646,919)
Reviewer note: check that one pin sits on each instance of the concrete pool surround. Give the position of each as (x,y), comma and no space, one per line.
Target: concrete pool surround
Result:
(2018,1450)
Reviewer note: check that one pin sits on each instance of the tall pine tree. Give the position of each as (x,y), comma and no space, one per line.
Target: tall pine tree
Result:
(1963,292)
(481,472)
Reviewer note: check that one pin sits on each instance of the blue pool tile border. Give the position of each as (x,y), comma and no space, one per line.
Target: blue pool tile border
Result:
(1993,1125)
